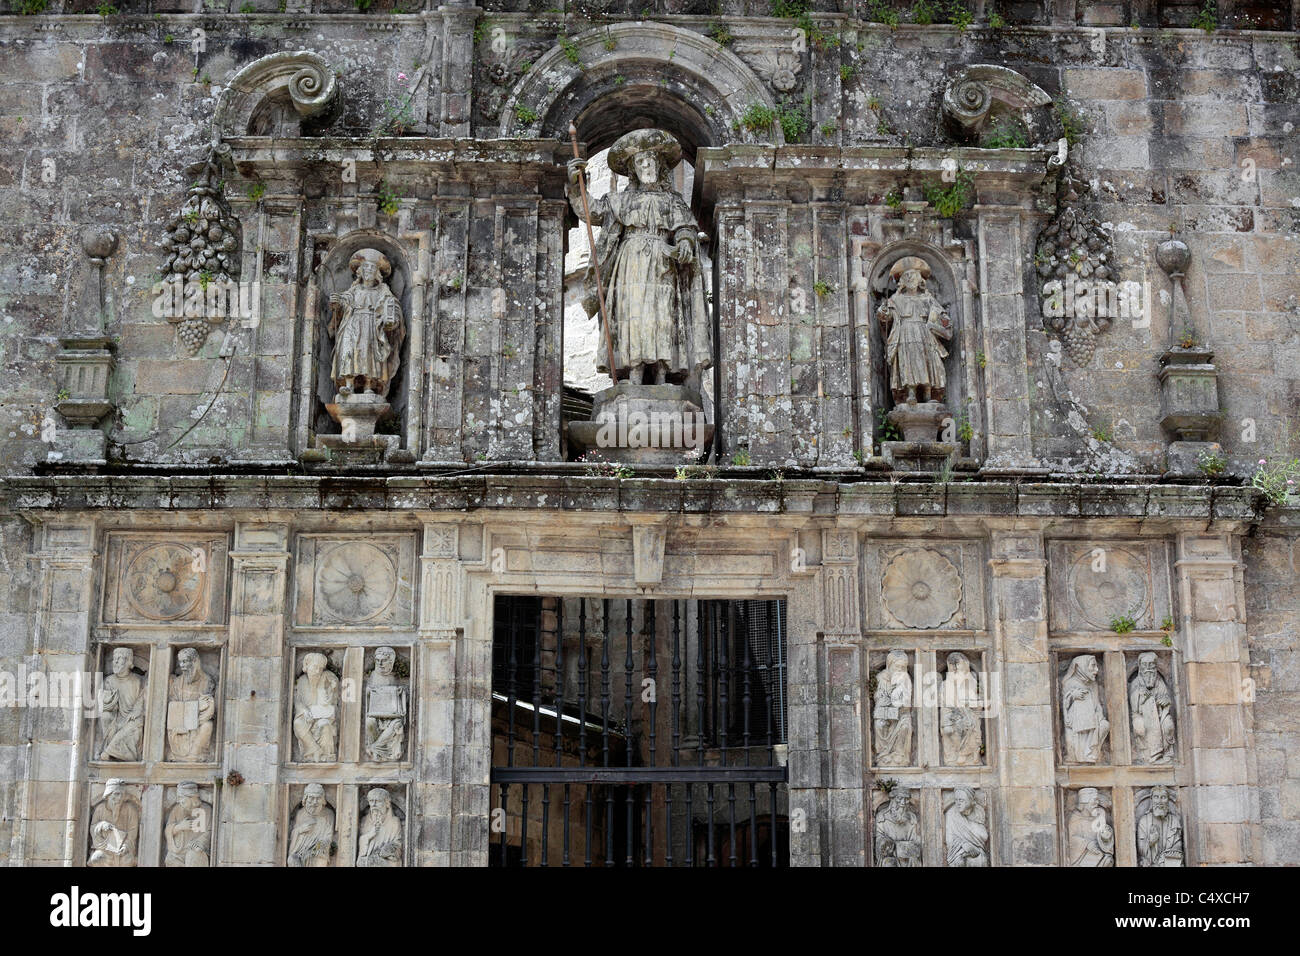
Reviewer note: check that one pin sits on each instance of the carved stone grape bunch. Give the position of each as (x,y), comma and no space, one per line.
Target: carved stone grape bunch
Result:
(1074,248)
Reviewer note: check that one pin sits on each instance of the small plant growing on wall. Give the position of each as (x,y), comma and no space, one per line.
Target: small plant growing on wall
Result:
(1211,464)
(953,198)
(387,198)
(822,288)
(525,114)
(758,118)
(1122,624)
(742,458)
(719,33)
(1207,18)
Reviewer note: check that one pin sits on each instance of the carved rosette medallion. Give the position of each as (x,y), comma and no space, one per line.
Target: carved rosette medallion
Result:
(1111,585)
(164,581)
(921,588)
(356,582)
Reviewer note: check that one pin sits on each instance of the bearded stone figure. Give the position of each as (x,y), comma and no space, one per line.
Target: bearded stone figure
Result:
(315,710)
(898,831)
(187,833)
(1160,830)
(191,709)
(1091,836)
(385,708)
(959,719)
(380,843)
(367,328)
(1084,714)
(1151,707)
(892,713)
(114,828)
(648,254)
(916,325)
(313,829)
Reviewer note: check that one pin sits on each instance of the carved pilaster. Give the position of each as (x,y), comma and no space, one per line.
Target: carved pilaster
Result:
(455,103)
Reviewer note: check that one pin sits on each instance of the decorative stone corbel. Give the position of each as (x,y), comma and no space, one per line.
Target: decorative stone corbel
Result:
(648,542)
(301,76)
(778,66)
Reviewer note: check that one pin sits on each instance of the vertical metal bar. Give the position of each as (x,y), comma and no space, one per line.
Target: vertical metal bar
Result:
(727,664)
(702,611)
(677,726)
(772,835)
(652,671)
(780,666)
(582,719)
(505,825)
(537,713)
(745,702)
(604,735)
(628,792)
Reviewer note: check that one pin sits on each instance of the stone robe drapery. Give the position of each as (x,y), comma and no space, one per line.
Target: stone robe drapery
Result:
(912,350)
(385,717)
(310,839)
(1084,716)
(898,842)
(1152,711)
(122,708)
(188,835)
(1092,843)
(191,707)
(367,336)
(380,845)
(1160,840)
(656,309)
(892,714)
(114,834)
(959,724)
(967,837)
(315,714)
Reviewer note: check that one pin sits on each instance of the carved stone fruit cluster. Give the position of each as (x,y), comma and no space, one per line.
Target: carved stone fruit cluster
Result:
(1074,247)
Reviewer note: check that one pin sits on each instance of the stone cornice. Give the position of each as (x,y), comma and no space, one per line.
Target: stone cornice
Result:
(1136,508)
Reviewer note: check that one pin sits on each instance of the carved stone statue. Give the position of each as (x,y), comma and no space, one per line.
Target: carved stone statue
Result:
(898,831)
(916,325)
(966,829)
(1151,708)
(1083,711)
(122,707)
(313,829)
(188,830)
(959,719)
(380,843)
(191,709)
(315,710)
(114,828)
(649,258)
(1091,836)
(1160,830)
(385,708)
(366,324)
(892,713)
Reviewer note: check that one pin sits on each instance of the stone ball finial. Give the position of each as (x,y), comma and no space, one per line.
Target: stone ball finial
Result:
(1173,256)
(98,242)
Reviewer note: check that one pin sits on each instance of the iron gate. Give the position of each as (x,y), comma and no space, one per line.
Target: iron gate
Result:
(687,769)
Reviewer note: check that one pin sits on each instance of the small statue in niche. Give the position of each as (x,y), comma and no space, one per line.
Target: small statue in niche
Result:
(1160,830)
(188,831)
(966,830)
(315,710)
(312,836)
(892,713)
(959,720)
(1092,838)
(122,707)
(1152,709)
(1084,712)
(648,254)
(916,324)
(898,831)
(114,828)
(380,843)
(385,708)
(367,328)
(191,709)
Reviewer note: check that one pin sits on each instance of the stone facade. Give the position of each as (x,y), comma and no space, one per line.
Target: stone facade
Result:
(287,621)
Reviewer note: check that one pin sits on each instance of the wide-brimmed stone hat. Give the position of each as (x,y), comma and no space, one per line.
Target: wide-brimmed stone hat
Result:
(627,146)
(910,264)
(371,255)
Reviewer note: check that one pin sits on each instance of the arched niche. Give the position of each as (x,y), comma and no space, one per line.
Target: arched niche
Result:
(680,80)
(945,283)
(276,95)
(334,275)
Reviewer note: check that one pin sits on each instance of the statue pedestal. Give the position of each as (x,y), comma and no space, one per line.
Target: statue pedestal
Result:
(358,444)
(645,424)
(918,456)
(919,422)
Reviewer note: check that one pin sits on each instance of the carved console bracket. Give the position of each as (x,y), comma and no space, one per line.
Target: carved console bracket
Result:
(981,92)
(253,101)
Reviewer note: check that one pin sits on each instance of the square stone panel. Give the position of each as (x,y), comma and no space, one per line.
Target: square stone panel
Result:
(933,586)
(354,581)
(1092,583)
(165,579)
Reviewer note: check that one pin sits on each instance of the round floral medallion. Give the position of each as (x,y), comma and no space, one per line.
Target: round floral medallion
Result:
(164,581)
(356,581)
(1109,585)
(921,588)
